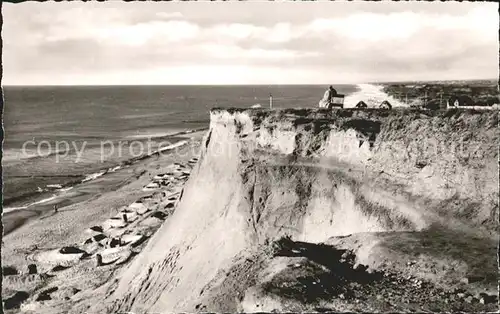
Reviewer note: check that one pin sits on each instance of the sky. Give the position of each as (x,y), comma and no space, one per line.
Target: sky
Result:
(253,42)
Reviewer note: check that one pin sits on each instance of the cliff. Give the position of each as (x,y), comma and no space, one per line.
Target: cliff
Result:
(385,189)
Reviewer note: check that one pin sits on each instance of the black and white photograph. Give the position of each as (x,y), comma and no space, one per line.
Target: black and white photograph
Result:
(250,157)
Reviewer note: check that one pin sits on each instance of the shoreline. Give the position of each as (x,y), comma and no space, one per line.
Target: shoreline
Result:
(69,194)
(24,201)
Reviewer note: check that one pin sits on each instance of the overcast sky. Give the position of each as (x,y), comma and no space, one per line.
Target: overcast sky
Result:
(247,43)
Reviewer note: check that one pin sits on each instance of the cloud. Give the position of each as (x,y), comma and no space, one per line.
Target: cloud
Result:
(169,15)
(256,41)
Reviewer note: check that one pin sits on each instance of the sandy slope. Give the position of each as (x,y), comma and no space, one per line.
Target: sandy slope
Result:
(339,177)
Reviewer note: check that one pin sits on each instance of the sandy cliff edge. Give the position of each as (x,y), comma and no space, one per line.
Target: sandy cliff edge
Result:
(313,175)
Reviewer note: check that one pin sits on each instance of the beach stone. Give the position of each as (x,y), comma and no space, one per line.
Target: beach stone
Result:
(112,255)
(14,301)
(150,222)
(98,258)
(139,208)
(133,239)
(65,293)
(114,223)
(143,210)
(97,238)
(128,217)
(71,250)
(9,271)
(116,233)
(169,206)
(125,258)
(59,268)
(96,228)
(138,241)
(32,269)
(160,215)
(94,247)
(45,295)
(114,242)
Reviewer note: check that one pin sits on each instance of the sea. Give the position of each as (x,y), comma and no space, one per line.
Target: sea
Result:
(56,137)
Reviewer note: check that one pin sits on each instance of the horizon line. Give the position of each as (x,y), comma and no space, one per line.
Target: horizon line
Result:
(248,84)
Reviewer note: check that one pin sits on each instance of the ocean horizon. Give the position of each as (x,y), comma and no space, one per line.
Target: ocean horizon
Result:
(47,127)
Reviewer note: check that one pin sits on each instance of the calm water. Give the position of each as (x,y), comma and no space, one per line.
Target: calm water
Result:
(44,119)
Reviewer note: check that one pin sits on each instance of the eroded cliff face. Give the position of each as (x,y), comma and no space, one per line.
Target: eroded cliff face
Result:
(311,175)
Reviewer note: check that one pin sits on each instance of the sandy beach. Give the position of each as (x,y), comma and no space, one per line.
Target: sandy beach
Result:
(115,217)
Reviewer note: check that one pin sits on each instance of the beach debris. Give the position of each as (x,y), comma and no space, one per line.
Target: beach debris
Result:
(153,185)
(15,300)
(9,271)
(138,207)
(127,217)
(71,250)
(65,293)
(59,268)
(112,255)
(169,205)
(45,295)
(116,233)
(96,228)
(114,242)
(138,241)
(147,197)
(114,222)
(159,215)
(141,210)
(126,258)
(132,239)
(97,238)
(151,221)
(160,176)
(98,258)
(32,269)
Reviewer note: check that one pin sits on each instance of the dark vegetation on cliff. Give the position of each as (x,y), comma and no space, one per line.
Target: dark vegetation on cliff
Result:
(437,94)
